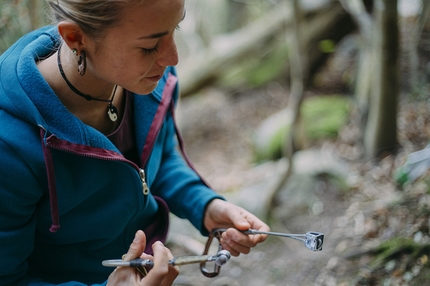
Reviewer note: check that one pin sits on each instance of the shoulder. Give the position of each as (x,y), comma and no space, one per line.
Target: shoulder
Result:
(18,135)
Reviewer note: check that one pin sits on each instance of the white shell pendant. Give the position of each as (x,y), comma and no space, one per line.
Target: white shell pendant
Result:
(112,113)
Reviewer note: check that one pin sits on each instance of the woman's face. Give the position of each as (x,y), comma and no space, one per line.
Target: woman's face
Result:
(135,53)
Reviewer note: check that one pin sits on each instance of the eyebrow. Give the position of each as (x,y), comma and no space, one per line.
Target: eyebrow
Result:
(159,35)
(154,36)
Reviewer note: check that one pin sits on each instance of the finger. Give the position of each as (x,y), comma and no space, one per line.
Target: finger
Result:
(222,214)
(232,251)
(173,272)
(233,236)
(161,264)
(256,224)
(239,218)
(137,246)
(236,242)
(234,248)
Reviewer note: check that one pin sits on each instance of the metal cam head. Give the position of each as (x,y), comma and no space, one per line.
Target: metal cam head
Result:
(222,257)
(314,240)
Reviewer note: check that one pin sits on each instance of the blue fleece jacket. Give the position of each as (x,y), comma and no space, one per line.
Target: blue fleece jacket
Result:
(69,199)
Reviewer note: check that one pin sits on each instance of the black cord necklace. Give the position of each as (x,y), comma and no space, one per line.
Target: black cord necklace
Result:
(112,110)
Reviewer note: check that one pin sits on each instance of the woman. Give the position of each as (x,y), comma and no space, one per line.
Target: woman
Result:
(88,148)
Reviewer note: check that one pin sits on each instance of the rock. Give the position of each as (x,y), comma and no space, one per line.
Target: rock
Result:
(322,118)
(270,136)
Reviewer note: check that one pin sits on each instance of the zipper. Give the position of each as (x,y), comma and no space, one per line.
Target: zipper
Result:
(62,145)
(145,188)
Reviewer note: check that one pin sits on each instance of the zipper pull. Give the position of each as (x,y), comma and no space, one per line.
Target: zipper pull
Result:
(145,188)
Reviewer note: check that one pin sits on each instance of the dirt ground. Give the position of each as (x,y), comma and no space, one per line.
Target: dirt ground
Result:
(218,130)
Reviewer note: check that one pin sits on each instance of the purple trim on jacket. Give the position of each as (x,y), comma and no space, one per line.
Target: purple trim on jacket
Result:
(84,150)
(51,185)
(153,231)
(159,117)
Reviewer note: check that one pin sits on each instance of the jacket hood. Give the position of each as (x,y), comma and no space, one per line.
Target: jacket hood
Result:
(19,76)
(24,93)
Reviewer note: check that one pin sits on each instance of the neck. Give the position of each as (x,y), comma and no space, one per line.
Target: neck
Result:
(112,110)
(73,88)
(93,112)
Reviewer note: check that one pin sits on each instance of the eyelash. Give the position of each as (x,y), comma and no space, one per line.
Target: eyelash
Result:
(150,51)
(155,49)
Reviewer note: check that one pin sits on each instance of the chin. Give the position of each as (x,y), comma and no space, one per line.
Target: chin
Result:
(147,89)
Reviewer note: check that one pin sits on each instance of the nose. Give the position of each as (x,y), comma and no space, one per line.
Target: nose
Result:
(168,52)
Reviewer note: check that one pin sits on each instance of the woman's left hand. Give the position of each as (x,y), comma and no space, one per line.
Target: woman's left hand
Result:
(222,214)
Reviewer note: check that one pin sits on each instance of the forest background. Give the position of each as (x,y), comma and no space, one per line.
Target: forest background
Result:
(312,114)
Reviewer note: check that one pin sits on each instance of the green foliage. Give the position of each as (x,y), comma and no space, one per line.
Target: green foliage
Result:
(394,248)
(393,259)
(323,116)
(327,46)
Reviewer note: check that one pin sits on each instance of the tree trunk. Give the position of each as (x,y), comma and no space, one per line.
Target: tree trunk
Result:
(358,11)
(297,58)
(381,131)
(237,15)
(412,49)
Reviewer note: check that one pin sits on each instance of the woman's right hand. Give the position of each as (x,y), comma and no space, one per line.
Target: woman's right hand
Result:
(162,274)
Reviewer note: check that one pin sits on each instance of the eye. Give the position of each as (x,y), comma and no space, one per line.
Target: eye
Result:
(178,28)
(150,51)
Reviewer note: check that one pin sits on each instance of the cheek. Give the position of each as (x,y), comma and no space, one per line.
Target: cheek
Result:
(128,69)
(135,65)
(121,69)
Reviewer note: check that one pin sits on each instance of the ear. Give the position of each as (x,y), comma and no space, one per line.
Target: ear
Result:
(72,35)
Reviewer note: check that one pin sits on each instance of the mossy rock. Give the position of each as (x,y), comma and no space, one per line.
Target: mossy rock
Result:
(270,136)
(393,249)
(321,118)
(395,257)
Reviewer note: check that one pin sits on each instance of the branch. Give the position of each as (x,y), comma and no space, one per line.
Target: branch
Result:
(357,10)
(297,58)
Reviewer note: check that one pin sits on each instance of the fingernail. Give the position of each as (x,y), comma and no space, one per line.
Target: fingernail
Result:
(136,238)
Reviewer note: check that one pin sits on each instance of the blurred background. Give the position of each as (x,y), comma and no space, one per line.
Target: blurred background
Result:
(312,114)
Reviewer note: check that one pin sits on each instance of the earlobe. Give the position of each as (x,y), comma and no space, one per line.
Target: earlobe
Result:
(72,34)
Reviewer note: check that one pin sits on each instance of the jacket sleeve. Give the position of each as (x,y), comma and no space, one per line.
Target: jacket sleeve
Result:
(183,190)
(20,190)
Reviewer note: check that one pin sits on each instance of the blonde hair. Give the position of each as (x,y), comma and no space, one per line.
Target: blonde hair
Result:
(93,16)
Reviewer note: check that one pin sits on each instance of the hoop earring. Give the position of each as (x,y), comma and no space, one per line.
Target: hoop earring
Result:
(82,63)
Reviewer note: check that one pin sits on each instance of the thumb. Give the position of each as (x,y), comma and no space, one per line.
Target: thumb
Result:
(137,246)
(238,217)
